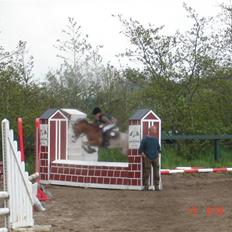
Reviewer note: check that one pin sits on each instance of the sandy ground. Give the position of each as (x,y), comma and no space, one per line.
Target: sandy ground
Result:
(197,202)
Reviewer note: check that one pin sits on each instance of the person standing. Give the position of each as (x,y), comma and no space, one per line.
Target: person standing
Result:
(150,149)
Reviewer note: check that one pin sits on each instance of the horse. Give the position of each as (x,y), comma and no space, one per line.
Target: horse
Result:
(94,136)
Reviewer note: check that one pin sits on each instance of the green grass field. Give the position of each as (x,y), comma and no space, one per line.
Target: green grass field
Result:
(111,155)
(170,158)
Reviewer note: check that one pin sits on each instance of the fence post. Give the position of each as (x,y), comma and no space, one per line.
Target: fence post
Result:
(216,150)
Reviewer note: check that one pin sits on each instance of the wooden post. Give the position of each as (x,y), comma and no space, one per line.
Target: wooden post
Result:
(37,145)
(216,150)
(20,138)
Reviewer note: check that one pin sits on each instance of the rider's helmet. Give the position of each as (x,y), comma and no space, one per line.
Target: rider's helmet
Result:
(96,110)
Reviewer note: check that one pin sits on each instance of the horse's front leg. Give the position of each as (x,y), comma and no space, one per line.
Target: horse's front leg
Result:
(74,138)
(94,142)
(87,147)
(85,143)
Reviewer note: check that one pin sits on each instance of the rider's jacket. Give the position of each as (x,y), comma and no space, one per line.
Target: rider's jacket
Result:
(103,120)
(105,123)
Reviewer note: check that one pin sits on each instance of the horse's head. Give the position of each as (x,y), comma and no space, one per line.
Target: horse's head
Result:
(92,131)
(79,127)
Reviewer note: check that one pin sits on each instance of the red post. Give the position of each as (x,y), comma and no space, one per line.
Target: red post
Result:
(37,145)
(20,138)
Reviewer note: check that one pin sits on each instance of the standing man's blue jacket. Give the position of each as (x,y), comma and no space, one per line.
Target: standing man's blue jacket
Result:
(150,147)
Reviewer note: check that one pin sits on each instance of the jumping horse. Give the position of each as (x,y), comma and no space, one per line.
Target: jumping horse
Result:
(94,136)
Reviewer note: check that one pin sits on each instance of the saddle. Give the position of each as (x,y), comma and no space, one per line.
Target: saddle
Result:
(110,131)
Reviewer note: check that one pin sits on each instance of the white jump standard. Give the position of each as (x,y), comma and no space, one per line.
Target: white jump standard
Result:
(64,166)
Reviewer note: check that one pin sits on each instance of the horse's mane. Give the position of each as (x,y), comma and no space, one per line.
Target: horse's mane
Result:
(85,121)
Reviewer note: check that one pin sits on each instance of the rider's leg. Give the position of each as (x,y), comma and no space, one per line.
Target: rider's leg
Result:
(105,134)
(108,127)
(105,139)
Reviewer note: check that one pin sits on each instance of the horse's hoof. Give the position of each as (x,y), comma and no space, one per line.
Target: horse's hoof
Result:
(91,150)
(88,149)
(74,139)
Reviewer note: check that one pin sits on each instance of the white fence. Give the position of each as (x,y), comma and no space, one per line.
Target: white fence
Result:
(17,195)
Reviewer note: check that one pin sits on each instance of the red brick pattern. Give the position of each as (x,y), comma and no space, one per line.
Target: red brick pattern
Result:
(95,174)
(130,175)
(44,163)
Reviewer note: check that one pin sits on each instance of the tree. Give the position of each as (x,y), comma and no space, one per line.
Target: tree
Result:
(149,48)
(223,34)
(173,67)
(23,64)
(80,69)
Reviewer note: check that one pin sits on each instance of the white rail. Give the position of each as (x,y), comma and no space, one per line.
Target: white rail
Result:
(17,195)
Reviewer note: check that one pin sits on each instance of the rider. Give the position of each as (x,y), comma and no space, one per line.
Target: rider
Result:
(105,123)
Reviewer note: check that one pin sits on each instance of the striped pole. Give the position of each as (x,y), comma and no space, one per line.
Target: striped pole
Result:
(194,170)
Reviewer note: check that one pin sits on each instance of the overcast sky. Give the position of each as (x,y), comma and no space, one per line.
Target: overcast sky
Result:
(40,22)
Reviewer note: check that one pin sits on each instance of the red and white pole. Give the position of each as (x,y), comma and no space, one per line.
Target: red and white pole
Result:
(194,170)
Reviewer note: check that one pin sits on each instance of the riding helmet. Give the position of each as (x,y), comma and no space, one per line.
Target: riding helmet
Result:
(96,110)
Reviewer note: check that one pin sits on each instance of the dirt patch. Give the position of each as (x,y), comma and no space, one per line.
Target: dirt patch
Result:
(197,202)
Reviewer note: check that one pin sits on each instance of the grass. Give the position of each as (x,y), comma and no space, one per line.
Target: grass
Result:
(30,163)
(170,159)
(111,155)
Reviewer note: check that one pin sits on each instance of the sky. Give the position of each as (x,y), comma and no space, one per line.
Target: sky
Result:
(40,23)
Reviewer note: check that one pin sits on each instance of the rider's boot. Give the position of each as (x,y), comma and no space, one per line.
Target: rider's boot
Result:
(105,140)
